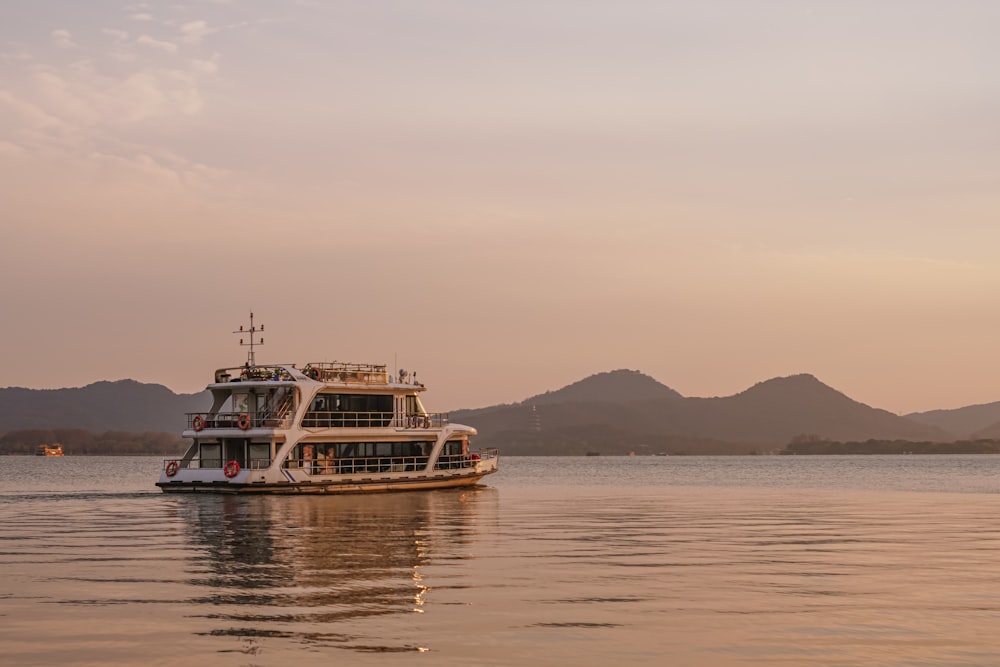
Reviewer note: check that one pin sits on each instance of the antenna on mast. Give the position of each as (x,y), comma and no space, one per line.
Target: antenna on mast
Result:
(253,330)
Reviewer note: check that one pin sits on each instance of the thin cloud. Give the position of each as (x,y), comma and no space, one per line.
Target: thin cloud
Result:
(195,31)
(210,66)
(152,43)
(63,39)
(118,35)
(142,17)
(8,148)
(30,126)
(19,57)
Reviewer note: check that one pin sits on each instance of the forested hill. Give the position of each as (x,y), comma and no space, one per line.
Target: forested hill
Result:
(611,413)
(125,405)
(973,421)
(591,416)
(80,442)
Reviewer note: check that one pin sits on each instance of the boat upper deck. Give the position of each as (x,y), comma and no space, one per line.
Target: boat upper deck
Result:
(334,372)
(320,395)
(342,371)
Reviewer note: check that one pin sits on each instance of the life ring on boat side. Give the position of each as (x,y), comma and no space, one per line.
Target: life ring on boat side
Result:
(198,422)
(171,468)
(232,469)
(244,421)
(427,421)
(473,457)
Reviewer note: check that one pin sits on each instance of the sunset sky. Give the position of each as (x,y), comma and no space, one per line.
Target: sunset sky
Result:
(506,196)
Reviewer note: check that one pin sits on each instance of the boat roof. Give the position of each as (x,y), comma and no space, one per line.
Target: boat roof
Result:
(326,372)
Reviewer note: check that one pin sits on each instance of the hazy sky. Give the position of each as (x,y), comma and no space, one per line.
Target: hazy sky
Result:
(506,196)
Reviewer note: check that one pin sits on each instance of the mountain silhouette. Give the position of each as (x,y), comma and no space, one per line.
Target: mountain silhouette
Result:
(620,386)
(973,421)
(766,416)
(123,405)
(780,408)
(612,412)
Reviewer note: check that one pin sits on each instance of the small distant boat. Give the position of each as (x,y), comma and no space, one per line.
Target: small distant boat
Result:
(49,450)
(331,427)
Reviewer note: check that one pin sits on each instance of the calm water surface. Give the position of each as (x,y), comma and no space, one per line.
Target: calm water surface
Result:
(555,561)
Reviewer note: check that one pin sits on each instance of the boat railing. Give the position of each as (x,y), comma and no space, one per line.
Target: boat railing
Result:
(239,420)
(376,464)
(452,461)
(320,419)
(424,420)
(347,466)
(215,464)
(341,371)
(337,419)
(253,374)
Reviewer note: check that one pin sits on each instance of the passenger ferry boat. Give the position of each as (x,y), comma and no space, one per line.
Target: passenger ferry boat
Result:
(330,427)
(49,450)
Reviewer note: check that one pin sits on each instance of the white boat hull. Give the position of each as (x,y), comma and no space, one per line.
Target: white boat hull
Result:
(332,427)
(322,485)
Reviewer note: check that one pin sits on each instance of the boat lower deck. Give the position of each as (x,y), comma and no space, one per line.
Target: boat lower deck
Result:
(345,486)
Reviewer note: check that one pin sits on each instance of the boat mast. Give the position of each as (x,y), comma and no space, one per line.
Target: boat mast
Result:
(251,359)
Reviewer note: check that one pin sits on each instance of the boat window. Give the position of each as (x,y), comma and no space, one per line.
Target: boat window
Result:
(235,449)
(353,450)
(351,403)
(454,448)
(414,406)
(368,449)
(241,402)
(260,454)
(323,458)
(349,410)
(211,455)
(320,404)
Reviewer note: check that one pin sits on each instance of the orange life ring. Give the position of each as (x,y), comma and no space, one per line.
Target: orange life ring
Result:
(198,422)
(232,469)
(171,469)
(244,421)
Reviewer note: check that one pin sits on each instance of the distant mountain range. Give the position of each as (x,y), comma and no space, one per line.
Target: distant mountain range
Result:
(125,405)
(609,413)
(973,422)
(626,409)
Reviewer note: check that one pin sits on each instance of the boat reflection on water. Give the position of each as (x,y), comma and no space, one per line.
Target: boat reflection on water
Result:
(316,569)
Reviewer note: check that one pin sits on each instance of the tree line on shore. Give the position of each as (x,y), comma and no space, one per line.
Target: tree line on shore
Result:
(811,444)
(81,442)
(611,441)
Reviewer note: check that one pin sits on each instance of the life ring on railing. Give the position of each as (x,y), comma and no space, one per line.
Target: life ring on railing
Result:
(198,422)
(232,469)
(473,457)
(244,421)
(313,373)
(171,469)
